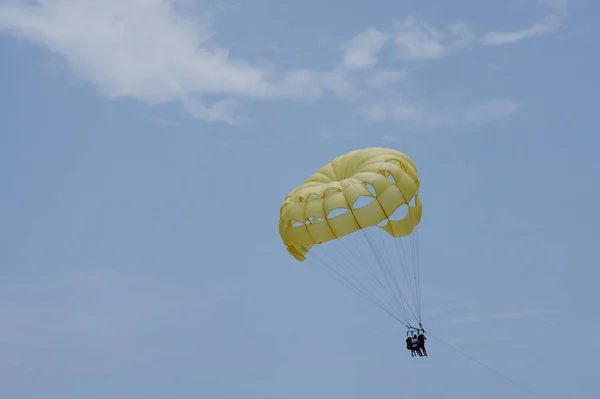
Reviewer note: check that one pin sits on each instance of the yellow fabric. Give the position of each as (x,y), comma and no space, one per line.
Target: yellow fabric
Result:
(304,219)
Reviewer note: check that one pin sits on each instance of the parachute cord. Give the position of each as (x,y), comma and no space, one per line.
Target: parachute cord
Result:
(383,269)
(381,263)
(339,274)
(344,279)
(365,264)
(516,383)
(358,287)
(389,264)
(417,268)
(405,268)
(414,273)
(404,265)
(418,257)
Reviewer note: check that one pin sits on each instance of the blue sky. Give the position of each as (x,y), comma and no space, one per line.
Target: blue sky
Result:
(146,147)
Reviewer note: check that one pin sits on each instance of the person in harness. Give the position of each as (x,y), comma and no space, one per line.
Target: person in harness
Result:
(416,343)
(409,345)
(412,344)
(421,344)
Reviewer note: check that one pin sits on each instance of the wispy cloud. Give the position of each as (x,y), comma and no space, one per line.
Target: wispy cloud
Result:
(519,314)
(327,133)
(511,315)
(161,121)
(415,39)
(92,319)
(443,309)
(551,22)
(385,80)
(362,50)
(444,116)
(471,339)
(465,319)
(412,39)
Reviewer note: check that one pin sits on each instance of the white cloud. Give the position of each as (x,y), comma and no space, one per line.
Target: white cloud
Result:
(551,22)
(150,51)
(339,82)
(218,111)
(157,52)
(392,109)
(462,35)
(362,50)
(444,116)
(416,39)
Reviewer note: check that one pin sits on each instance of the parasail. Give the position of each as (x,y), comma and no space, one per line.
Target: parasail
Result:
(357,217)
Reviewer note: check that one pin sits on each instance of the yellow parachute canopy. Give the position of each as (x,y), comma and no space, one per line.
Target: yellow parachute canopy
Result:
(387,176)
(374,191)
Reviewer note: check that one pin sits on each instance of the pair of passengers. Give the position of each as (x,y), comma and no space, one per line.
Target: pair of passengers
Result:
(416,344)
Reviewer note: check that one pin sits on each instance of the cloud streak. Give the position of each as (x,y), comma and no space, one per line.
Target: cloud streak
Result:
(511,315)
(550,23)
(104,314)
(446,116)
